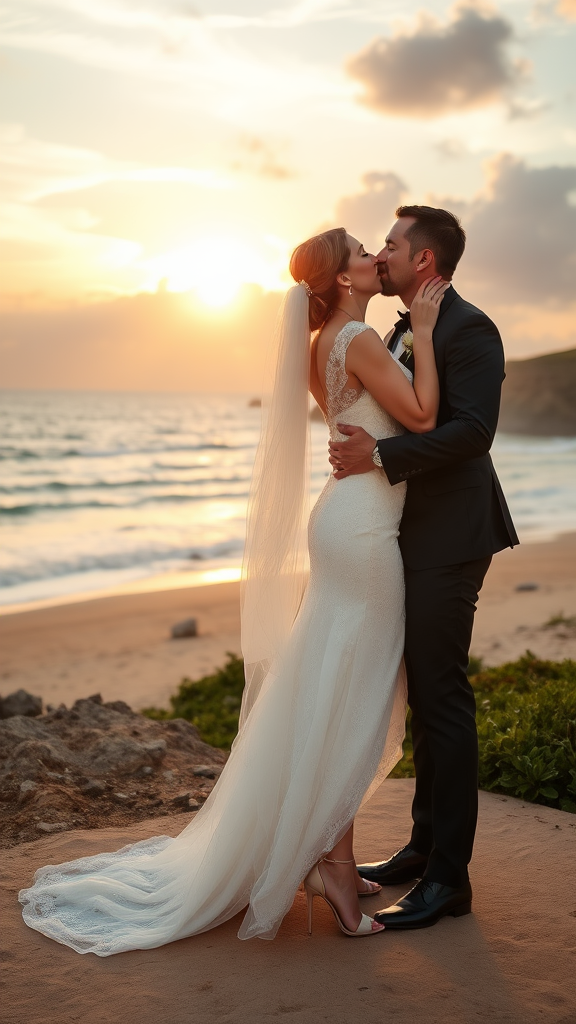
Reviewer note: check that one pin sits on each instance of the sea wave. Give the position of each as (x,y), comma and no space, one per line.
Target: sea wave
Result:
(17,454)
(137,482)
(156,554)
(100,488)
(153,499)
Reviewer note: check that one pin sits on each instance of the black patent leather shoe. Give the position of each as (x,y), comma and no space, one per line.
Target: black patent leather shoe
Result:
(425,904)
(405,865)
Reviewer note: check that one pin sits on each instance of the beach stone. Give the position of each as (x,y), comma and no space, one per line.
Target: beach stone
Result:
(527,586)
(156,750)
(20,703)
(48,827)
(28,789)
(184,735)
(126,799)
(93,787)
(32,757)
(182,801)
(205,771)
(186,628)
(59,777)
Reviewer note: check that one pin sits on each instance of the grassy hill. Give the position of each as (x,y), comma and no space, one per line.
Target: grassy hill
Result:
(539,396)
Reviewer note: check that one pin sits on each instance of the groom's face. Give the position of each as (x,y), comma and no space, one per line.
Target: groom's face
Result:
(397,271)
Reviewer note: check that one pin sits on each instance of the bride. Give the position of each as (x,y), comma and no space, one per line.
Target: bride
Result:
(323,711)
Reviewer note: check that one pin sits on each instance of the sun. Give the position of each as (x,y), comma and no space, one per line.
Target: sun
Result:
(215,268)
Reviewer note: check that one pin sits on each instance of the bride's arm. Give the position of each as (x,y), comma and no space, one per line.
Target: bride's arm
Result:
(416,408)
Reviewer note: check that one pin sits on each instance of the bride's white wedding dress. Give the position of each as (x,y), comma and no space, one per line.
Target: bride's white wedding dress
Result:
(326,728)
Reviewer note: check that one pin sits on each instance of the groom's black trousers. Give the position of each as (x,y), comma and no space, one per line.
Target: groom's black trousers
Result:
(440,606)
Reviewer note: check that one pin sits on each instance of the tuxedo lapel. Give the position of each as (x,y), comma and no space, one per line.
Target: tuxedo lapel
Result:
(407,357)
(407,360)
(397,330)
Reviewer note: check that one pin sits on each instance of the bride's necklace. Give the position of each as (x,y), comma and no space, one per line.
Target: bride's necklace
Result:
(338,309)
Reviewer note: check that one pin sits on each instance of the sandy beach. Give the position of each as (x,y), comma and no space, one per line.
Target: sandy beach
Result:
(120,646)
(510,962)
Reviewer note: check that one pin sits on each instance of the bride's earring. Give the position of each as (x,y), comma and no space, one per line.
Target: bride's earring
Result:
(350,290)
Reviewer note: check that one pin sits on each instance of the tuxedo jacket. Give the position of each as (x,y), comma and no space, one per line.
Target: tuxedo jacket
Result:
(455,509)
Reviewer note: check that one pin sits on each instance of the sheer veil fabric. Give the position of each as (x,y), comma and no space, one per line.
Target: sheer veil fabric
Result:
(324,709)
(275,564)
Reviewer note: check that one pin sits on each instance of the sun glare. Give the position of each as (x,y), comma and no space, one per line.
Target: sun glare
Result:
(216,268)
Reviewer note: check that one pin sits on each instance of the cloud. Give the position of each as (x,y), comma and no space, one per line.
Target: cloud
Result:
(257,156)
(435,69)
(452,149)
(521,233)
(521,228)
(164,43)
(567,9)
(520,259)
(368,214)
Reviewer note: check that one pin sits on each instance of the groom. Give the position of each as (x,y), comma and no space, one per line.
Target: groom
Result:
(454,519)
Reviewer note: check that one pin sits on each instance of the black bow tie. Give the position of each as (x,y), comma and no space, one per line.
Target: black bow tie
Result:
(400,327)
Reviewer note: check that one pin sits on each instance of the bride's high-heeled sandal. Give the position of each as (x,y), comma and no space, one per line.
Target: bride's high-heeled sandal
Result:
(314,886)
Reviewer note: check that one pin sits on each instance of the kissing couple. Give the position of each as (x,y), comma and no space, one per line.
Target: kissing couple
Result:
(347,615)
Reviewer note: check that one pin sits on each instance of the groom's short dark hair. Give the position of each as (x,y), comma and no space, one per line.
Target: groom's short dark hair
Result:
(437,230)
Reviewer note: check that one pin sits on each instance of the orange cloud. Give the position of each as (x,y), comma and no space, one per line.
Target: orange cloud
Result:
(567,9)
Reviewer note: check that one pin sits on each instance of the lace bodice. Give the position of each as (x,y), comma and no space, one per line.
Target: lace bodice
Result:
(361,409)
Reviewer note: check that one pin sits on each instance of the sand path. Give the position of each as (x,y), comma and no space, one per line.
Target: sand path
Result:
(512,961)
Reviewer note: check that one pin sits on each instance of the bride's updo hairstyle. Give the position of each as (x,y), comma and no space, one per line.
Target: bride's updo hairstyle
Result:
(318,261)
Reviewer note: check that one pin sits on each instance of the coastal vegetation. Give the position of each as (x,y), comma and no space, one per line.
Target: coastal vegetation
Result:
(526,713)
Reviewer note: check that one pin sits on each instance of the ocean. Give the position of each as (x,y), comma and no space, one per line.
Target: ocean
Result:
(106,490)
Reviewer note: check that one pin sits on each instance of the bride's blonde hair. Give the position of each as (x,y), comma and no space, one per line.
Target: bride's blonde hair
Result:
(318,261)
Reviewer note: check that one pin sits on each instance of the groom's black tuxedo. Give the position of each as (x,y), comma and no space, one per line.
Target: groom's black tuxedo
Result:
(455,509)
(455,518)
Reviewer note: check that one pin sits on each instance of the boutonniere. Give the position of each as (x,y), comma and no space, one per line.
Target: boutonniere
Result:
(408,342)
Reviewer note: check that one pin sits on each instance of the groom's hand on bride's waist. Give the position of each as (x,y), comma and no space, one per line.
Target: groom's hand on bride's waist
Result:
(354,455)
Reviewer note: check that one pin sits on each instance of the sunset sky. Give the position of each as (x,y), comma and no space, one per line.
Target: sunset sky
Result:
(161,158)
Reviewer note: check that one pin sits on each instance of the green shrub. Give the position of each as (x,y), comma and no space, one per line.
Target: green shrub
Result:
(212,704)
(526,714)
(527,730)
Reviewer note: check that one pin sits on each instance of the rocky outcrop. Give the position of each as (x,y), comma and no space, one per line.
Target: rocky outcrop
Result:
(20,703)
(538,396)
(97,764)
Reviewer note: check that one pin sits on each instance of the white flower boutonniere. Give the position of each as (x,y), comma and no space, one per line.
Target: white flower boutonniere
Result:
(408,342)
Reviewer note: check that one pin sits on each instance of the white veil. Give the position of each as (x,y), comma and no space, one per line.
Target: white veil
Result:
(275,566)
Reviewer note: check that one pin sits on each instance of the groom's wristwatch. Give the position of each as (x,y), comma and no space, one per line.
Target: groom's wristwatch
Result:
(376,457)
